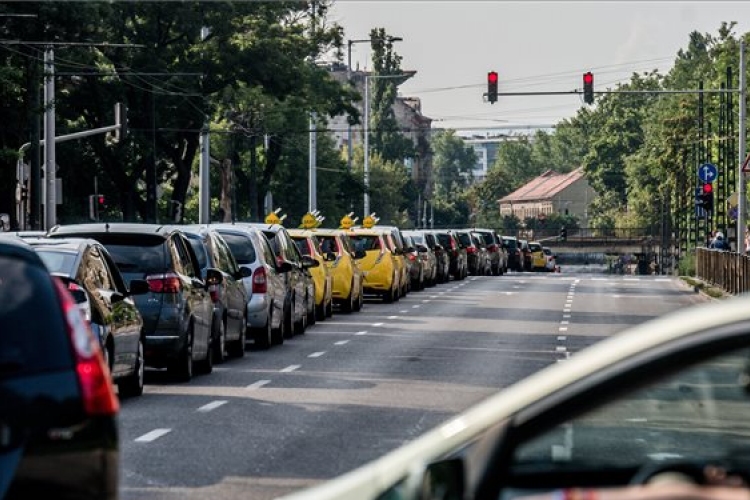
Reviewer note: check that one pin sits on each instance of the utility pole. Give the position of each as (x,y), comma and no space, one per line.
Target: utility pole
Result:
(204,201)
(313,180)
(50,176)
(741,183)
(367,148)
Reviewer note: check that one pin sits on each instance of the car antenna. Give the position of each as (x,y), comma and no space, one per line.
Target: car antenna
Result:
(106,226)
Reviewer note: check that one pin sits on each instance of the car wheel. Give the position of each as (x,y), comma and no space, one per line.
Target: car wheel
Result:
(132,385)
(182,367)
(321,310)
(278,334)
(218,344)
(329,308)
(238,346)
(263,337)
(289,321)
(360,300)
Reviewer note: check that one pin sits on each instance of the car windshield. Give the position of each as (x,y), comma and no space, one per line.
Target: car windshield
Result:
(58,261)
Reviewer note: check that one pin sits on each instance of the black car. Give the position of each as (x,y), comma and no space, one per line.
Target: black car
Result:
(97,286)
(229,297)
(59,410)
(456,253)
(178,310)
(498,255)
(474,256)
(515,256)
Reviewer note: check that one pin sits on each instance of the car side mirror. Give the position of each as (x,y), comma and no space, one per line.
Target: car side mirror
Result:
(284,266)
(116,297)
(330,256)
(422,249)
(213,277)
(244,272)
(138,287)
(308,262)
(360,254)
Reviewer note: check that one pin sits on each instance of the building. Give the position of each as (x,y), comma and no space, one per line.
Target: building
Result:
(486,151)
(551,193)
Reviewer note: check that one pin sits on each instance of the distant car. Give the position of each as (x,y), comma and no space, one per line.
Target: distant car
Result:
(426,254)
(525,255)
(229,326)
(95,282)
(442,259)
(178,310)
(538,257)
(474,256)
(265,288)
(457,254)
(551,263)
(496,250)
(58,407)
(515,255)
(417,267)
(309,246)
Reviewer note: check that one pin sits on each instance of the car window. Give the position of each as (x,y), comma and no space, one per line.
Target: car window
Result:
(200,250)
(222,249)
(328,244)
(488,238)
(95,272)
(444,240)
(302,245)
(697,414)
(511,243)
(464,239)
(137,259)
(186,259)
(535,247)
(58,261)
(30,342)
(241,247)
(366,242)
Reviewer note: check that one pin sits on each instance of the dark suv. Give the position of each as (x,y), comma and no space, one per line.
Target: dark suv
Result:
(515,256)
(178,310)
(456,253)
(58,415)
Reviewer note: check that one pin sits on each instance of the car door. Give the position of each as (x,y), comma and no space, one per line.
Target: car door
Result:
(198,299)
(276,280)
(236,297)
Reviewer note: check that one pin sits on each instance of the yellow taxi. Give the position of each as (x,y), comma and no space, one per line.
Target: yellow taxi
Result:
(538,257)
(308,244)
(379,266)
(340,257)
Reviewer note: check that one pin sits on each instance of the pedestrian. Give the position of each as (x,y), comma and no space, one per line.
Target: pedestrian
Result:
(719,243)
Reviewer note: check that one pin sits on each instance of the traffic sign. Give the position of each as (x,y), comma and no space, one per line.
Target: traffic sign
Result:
(708,172)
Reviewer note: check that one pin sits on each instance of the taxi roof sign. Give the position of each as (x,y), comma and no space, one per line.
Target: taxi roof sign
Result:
(369,221)
(309,221)
(346,222)
(273,218)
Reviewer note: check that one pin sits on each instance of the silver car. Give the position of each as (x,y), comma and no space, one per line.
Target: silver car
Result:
(266,290)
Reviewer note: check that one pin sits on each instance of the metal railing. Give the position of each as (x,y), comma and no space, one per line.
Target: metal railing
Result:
(727,270)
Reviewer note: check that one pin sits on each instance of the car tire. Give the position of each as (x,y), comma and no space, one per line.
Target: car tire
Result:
(288,321)
(263,336)
(206,366)
(320,310)
(132,385)
(278,334)
(218,343)
(238,346)
(181,368)
(360,300)
(329,308)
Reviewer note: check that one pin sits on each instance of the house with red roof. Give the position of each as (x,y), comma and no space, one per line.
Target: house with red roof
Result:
(551,193)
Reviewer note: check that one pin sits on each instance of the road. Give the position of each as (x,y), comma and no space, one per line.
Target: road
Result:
(358,385)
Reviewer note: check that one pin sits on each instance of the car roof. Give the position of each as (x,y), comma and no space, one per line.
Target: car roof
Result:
(19,249)
(68,244)
(112,227)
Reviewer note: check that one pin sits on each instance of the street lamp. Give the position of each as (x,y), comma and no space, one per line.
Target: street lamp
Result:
(349,44)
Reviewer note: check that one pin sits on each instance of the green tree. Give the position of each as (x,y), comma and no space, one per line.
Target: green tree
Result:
(452,164)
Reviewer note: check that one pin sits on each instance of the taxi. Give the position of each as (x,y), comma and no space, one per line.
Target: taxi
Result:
(341,260)
(395,242)
(538,257)
(381,274)
(308,244)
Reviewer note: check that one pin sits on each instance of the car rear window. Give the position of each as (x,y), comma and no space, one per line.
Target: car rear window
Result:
(30,342)
(136,255)
(365,242)
(328,244)
(464,239)
(417,238)
(241,247)
(302,245)
(535,247)
(444,240)
(57,261)
(510,243)
(487,237)
(200,250)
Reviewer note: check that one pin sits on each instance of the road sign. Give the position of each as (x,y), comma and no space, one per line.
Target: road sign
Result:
(708,172)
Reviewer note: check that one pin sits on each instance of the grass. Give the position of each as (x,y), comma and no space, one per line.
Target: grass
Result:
(706,288)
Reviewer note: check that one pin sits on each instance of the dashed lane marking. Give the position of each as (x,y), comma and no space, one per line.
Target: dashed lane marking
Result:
(152,436)
(341,342)
(316,354)
(258,384)
(290,368)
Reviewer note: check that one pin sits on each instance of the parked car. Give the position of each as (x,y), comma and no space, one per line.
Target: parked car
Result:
(417,268)
(538,258)
(484,267)
(379,265)
(474,257)
(229,325)
(515,256)
(265,287)
(442,259)
(178,310)
(341,258)
(551,264)
(498,253)
(657,411)
(456,253)
(395,240)
(309,246)
(525,254)
(300,301)
(95,282)
(426,254)
(59,411)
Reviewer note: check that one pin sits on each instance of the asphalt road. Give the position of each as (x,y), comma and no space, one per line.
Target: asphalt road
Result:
(357,385)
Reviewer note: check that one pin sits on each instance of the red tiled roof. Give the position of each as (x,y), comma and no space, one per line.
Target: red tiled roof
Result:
(544,187)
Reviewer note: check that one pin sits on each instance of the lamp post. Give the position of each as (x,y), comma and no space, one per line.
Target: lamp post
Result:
(349,44)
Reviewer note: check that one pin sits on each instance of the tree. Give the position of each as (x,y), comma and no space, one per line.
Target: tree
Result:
(453,163)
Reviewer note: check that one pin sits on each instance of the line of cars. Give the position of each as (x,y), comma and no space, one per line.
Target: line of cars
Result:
(524,255)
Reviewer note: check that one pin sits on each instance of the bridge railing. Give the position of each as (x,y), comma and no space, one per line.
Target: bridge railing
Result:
(590,233)
(727,270)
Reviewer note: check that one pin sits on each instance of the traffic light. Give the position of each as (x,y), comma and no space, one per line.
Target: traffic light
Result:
(492,86)
(588,87)
(97,203)
(707,197)
(121,119)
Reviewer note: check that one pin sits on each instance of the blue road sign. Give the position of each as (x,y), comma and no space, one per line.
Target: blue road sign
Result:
(708,172)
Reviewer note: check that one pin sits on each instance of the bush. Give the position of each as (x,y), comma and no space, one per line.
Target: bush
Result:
(686,265)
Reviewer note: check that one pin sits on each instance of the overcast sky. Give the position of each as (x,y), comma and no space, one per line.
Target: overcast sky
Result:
(534,46)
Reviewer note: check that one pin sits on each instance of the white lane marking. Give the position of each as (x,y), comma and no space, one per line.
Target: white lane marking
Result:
(636,420)
(392,317)
(509,293)
(425,301)
(290,368)
(316,354)
(616,296)
(564,322)
(417,306)
(566,315)
(561,348)
(662,279)
(212,406)
(599,279)
(152,436)
(563,329)
(442,293)
(404,311)
(566,310)
(341,342)
(377,324)
(516,286)
(631,279)
(435,296)
(561,337)
(258,384)
(363,332)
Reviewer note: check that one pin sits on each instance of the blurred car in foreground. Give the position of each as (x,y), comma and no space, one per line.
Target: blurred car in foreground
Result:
(96,285)
(664,401)
(59,410)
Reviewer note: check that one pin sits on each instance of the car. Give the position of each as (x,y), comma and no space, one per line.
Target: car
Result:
(551,263)
(497,252)
(426,255)
(300,301)
(417,267)
(341,259)
(475,258)
(442,259)
(265,288)
(230,324)
(457,254)
(178,310)
(656,411)
(395,240)
(525,254)
(538,257)
(485,259)
(379,265)
(95,282)
(309,246)
(515,256)
(59,429)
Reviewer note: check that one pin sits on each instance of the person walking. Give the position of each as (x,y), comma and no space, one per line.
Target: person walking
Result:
(719,243)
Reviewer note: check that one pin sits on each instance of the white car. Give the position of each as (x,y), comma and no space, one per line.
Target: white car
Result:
(658,411)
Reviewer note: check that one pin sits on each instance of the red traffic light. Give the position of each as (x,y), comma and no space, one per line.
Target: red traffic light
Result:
(588,78)
(708,188)
(492,77)
(100,199)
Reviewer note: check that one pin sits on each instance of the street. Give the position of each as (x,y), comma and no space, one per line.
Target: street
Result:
(356,386)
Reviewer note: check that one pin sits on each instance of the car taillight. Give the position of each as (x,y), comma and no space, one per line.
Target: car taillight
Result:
(492,248)
(213,291)
(164,283)
(412,257)
(260,281)
(471,250)
(97,390)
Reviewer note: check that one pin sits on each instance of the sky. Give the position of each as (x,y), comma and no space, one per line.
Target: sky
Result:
(534,46)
